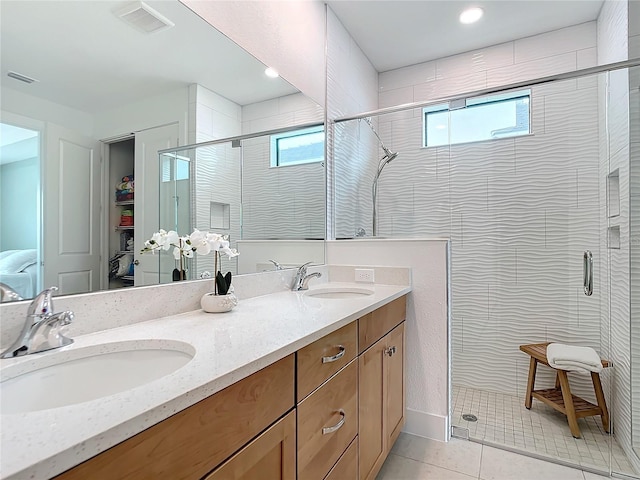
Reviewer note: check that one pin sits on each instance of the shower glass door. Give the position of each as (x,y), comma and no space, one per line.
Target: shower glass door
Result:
(530,209)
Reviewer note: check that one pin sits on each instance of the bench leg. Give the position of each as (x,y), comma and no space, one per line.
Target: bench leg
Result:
(531,382)
(568,404)
(597,387)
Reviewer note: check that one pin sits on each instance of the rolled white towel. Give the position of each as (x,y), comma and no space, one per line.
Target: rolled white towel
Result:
(573,359)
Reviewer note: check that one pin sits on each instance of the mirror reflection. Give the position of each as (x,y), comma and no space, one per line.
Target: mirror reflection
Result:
(281,178)
(86,106)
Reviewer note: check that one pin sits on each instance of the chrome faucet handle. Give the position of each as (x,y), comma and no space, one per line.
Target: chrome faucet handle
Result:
(277,265)
(302,269)
(43,303)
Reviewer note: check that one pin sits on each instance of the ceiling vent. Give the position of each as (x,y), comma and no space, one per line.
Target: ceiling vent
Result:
(144,18)
(21,77)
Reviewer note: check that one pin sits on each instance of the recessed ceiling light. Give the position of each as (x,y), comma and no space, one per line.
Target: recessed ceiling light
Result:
(471,15)
(271,72)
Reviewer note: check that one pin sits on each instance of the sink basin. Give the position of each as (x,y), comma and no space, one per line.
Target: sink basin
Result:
(339,292)
(69,377)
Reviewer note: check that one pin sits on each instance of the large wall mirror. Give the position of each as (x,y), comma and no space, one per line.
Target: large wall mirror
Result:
(91,91)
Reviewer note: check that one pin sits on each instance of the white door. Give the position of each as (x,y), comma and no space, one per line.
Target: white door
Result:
(147,197)
(72,180)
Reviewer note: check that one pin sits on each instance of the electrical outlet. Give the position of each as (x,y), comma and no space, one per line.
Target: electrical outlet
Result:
(365,275)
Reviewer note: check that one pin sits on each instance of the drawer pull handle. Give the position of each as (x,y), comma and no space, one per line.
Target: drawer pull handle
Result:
(335,357)
(337,426)
(390,351)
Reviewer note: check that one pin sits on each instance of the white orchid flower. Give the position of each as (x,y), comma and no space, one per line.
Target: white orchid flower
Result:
(199,242)
(171,238)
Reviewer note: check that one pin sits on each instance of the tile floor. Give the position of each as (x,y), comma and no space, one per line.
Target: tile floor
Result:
(416,458)
(503,420)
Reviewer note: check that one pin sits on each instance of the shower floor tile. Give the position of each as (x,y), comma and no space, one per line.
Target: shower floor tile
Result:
(503,419)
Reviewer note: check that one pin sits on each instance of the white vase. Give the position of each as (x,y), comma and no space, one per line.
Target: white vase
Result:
(212,303)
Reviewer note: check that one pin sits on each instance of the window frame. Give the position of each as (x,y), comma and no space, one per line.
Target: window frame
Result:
(475,102)
(274,157)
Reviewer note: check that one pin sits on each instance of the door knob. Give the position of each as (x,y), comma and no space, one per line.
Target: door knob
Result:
(136,262)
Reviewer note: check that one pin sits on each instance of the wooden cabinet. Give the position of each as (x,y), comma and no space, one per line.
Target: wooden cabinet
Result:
(347,466)
(373,326)
(327,423)
(349,412)
(193,442)
(381,386)
(272,455)
(321,359)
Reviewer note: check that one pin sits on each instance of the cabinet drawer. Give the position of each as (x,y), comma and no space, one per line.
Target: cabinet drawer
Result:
(272,455)
(332,405)
(347,466)
(375,325)
(324,357)
(194,441)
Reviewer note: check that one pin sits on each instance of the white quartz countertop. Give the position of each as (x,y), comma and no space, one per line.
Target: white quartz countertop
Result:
(228,347)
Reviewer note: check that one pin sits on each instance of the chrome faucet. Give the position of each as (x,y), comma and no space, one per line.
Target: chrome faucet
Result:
(8,294)
(43,330)
(301,279)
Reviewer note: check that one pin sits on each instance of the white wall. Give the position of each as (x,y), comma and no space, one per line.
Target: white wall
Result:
(613,46)
(19,185)
(554,52)
(427,390)
(36,108)
(217,168)
(352,87)
(150,112)
(286,35)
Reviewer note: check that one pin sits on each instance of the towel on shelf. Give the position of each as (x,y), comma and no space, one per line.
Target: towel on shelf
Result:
(573,359)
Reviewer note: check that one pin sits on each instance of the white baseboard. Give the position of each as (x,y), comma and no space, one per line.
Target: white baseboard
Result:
(426,425)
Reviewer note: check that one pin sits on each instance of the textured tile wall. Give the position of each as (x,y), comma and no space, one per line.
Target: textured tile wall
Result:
(284,202)
(520,212)
(216,170)
(613,45)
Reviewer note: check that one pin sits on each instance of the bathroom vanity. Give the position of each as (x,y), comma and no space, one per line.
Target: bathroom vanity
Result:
(287,385)
(350,387)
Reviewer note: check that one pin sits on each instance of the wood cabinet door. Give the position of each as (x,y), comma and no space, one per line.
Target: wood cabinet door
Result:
(371,410)
(272,455)
(394,388)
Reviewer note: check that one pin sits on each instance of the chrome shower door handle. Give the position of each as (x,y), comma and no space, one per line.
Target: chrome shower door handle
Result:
(587,272)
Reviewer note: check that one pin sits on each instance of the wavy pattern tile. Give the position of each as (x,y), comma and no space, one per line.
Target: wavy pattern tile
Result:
(520,212)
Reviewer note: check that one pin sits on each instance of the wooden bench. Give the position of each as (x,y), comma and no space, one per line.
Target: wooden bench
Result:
(560,397)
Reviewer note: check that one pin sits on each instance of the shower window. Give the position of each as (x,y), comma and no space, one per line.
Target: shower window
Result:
(477,119)
(297,147)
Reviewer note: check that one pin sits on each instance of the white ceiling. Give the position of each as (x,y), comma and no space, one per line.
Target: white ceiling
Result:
(87,58)
(398,33)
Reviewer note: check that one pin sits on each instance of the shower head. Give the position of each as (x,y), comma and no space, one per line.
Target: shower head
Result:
(388,154)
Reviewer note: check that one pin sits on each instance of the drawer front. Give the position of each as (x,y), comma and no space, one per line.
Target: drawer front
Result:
(347,466)
(375,325)
(194,441)
(324,357)
(327,423)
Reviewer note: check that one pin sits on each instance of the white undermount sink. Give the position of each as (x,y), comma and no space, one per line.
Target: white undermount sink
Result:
(339,291)
(69,377)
